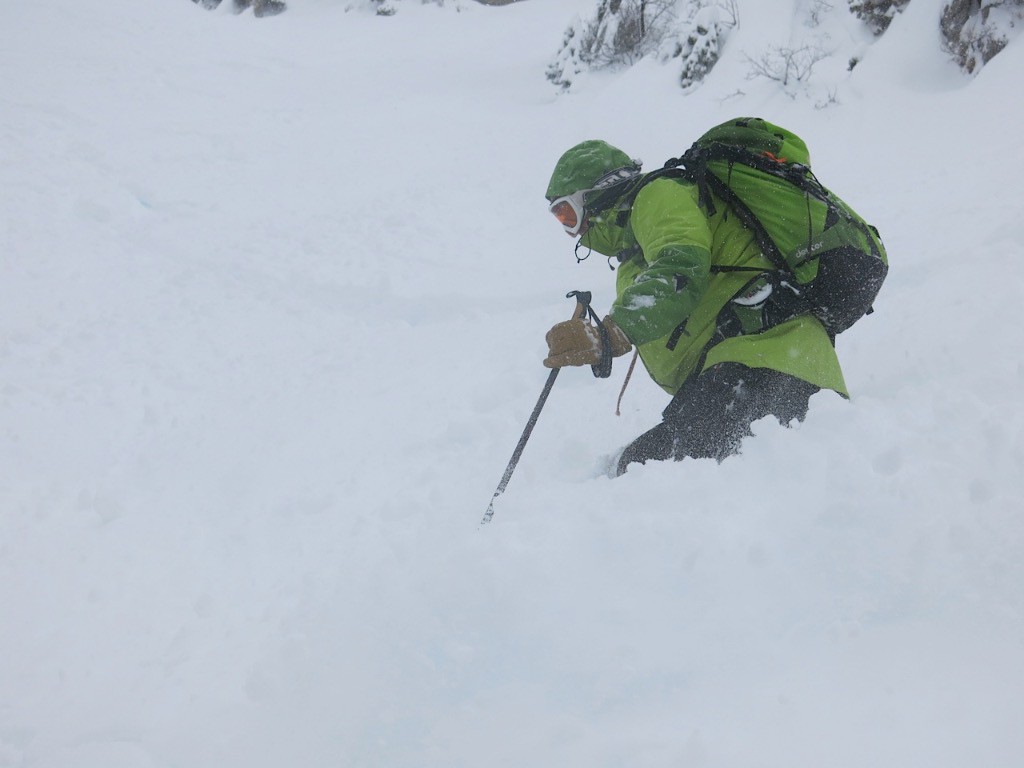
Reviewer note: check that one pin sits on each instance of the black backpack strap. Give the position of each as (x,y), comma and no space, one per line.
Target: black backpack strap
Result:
(627,199)
(750,221)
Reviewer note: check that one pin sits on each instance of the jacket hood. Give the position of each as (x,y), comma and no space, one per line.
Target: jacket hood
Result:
(584,165)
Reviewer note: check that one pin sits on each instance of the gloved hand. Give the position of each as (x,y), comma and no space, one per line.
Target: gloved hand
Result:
(578,342)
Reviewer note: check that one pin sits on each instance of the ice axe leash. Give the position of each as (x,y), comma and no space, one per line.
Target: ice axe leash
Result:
(582,307)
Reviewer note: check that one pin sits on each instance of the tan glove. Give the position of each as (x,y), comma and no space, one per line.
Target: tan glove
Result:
(578,342)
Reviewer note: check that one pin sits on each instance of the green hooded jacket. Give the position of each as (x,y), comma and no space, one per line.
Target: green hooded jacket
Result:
(668,284)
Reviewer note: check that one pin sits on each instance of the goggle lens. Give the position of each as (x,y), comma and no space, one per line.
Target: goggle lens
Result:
(566,214)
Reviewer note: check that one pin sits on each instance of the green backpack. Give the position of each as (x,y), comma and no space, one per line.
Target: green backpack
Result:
(827,260)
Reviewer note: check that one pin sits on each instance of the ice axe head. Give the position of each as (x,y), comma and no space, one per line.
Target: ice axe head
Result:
(582,302)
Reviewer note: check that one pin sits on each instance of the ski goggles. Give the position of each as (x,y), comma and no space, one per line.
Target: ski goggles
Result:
(570,211)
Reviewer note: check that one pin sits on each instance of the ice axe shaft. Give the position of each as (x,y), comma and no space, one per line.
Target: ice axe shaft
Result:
(582,305)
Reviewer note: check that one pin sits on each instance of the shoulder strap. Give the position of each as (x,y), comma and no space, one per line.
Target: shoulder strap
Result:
(750,221)
(693,166)
(666,172)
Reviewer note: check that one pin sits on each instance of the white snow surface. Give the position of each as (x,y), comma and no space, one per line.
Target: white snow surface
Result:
(273,295)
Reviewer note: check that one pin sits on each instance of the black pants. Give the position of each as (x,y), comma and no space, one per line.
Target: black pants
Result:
(712,413)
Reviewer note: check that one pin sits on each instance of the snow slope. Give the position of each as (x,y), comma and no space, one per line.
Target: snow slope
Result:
(272,303)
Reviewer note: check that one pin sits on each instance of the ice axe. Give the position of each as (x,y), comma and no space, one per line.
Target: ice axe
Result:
(582,307)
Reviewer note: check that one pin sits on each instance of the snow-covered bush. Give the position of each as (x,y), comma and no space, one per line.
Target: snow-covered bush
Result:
(621,32)
(262,7)
(259,7)
(787,65)
(878,14)
(390,7)
(976,30)
(700,40)
(816,11)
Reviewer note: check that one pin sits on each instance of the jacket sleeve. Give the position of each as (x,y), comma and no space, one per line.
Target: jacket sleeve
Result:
(675,237)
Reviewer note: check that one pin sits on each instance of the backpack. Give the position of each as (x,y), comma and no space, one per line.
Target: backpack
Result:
(827,260)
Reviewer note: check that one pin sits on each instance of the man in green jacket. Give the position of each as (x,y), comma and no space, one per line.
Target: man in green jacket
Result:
(686,300)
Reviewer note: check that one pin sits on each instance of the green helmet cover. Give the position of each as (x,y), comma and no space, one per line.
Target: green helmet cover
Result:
(582,166)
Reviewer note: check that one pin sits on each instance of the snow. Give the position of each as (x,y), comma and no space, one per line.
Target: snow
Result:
(273,295)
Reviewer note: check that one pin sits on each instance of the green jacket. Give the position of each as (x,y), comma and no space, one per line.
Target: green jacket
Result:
(668,284)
